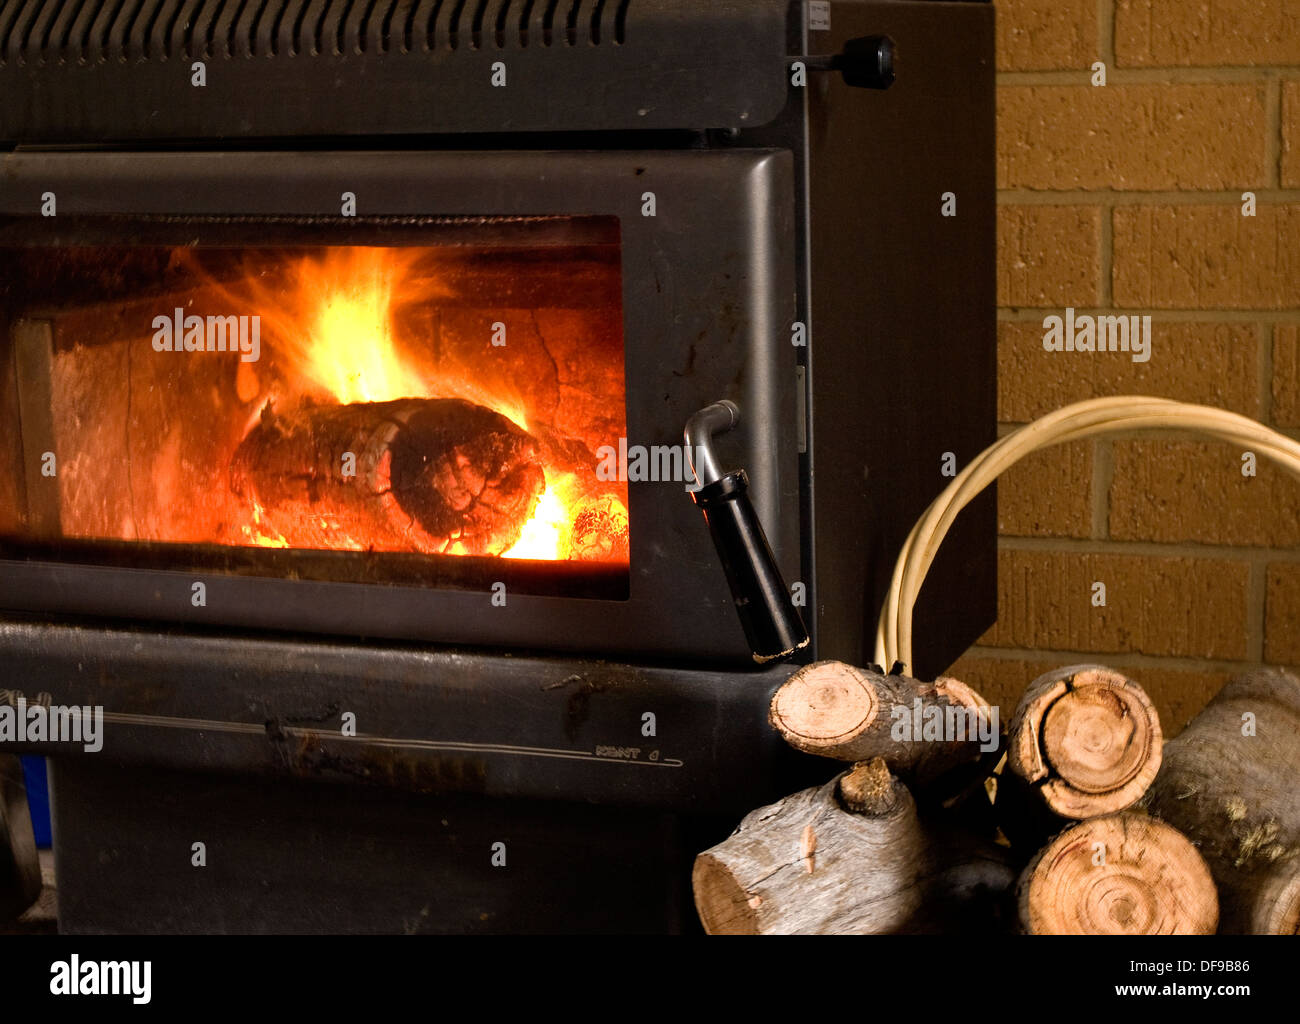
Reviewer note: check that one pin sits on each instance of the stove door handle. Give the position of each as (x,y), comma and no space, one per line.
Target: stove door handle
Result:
(767,614)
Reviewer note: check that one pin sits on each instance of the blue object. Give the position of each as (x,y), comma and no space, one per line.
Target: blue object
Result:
(38,798)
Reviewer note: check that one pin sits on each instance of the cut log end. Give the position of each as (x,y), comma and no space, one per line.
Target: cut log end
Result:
(923,730)
(1090,737)
(1121,874)
(725,908)
(823,705)
(869,788)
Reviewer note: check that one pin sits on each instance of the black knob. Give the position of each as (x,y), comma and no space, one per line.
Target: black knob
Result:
(867,62)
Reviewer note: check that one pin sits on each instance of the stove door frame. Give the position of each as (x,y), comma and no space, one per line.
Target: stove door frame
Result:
(709,294)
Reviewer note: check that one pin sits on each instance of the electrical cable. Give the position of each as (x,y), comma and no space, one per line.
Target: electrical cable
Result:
(1089,418)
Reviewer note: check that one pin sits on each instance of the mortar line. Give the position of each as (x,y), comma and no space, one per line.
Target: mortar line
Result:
(1119,659)
(1256,584)
(1273,129)
(1147,549)
(1021,196)
(1103,475)
(1230,74)
(1026,314)
(1155,435)
(1266,333)
(1106,34)
(1264,615)
(1188,435)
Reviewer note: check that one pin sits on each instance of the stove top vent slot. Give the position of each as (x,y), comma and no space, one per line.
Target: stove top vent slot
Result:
(87,32)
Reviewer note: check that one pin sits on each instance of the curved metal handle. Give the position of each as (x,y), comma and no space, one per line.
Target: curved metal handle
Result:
(771,623)
(717,418)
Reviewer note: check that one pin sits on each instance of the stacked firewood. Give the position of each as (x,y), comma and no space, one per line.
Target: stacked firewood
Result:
(1078,819)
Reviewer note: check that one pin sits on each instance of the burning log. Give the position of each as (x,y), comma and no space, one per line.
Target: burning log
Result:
(437,475)
(1119,874)
(1229,782)
(922,730)
(849,857)
(1087,739)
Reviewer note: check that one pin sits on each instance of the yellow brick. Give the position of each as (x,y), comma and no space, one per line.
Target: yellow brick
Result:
(1282,615)
(1291,135)
(1048,494)
(1176,491)
(1044,35)
(1183,607)
(1211,364)
(1207,257)
(1148,137)
(1179,32)
(1049,256)
(1286,375)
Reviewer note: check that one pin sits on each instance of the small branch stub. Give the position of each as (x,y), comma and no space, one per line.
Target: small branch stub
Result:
(1087,738)
(1119,874)
(868,788)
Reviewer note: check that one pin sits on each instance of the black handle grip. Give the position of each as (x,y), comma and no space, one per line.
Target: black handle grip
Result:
(771,623)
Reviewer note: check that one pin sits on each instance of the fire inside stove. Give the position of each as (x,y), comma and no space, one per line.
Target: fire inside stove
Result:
(448,401)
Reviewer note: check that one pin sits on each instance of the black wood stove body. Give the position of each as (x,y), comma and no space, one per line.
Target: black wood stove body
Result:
(365,368)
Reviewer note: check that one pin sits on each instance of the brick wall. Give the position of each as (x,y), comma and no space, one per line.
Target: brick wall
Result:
(1128,198)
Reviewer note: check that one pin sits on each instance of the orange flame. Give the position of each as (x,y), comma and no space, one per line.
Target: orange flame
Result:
(349,346)
(344,346)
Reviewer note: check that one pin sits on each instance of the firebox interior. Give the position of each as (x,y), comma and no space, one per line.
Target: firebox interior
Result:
(431,412)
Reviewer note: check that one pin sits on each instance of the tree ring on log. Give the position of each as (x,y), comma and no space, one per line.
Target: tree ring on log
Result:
(1119,874)
(1091,740)
(840,704)
(1089,737)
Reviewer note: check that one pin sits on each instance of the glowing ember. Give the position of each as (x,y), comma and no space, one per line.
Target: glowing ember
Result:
(545,531)
(257,532)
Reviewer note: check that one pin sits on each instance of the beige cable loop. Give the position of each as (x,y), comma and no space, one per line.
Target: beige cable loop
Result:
(1090,418)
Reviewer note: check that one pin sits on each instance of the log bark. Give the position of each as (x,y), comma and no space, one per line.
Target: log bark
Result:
(1119,874)
(849,857)
(429,475)
(1231,782)
(1086,739)
(922,730)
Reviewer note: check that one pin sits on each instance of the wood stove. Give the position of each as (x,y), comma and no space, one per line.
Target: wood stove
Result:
(365,368)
